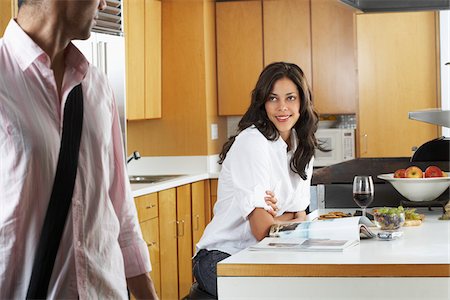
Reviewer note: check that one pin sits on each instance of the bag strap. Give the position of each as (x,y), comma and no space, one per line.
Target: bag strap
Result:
(61,196)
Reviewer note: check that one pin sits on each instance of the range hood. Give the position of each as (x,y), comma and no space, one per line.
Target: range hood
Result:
(433,116)
(397,5)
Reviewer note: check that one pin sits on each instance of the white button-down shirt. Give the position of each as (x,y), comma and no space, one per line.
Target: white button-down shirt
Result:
(253,165)
(102,243)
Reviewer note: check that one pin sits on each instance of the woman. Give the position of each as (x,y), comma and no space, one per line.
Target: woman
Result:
(266,169)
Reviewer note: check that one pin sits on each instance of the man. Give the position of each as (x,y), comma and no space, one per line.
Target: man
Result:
(101,251)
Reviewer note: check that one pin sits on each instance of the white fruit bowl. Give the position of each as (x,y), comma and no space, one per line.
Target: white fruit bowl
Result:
(418,189)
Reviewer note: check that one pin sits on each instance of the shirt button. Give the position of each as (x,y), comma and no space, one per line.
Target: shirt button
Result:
(78,202)
(78,244)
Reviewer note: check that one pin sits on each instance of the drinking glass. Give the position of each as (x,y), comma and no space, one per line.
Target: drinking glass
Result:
(363,191)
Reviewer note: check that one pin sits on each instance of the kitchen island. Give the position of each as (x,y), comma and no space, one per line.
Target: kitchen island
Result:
(416,266)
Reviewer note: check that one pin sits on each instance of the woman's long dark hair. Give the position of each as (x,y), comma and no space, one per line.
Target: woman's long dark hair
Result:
(305,127)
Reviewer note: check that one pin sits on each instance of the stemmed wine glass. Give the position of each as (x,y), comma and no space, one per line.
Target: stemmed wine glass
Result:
(363,191)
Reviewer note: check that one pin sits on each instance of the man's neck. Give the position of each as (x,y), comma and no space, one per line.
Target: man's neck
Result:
(45,31)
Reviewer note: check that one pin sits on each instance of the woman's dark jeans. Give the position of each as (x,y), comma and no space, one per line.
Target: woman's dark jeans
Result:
(205,269)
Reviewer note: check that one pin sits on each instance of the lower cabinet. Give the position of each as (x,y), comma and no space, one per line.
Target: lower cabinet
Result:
(171,232)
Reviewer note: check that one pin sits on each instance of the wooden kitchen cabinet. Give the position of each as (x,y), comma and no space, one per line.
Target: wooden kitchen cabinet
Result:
(239,53)
(287,34)
(142,31)
(200,210)
(147,209)
(334,71)
(213,198)
(8,9)
(397,62)
(172,221)
(316,35)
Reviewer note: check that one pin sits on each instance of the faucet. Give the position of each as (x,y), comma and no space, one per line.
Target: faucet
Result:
(135,156)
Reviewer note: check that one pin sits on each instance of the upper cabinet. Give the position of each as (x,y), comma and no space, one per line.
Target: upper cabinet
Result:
(334,57)
(142,27)
(239,53)
(316,35)
(287,34)
(8,9)
(398,73)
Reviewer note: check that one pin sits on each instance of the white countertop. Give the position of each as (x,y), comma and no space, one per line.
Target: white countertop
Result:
(192,169)
(139,189)
(425,244)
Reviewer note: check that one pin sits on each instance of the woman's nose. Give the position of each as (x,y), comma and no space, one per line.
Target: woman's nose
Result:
(282,106)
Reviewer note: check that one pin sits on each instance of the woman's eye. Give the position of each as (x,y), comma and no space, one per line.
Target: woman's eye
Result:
(291,98)
(272,99)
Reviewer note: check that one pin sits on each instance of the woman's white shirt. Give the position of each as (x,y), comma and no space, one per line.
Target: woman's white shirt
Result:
(253,166)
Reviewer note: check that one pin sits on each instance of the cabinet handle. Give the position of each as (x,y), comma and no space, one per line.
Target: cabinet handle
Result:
(180,232)
(150,206)
(197,222)
(365,137)
(151,244)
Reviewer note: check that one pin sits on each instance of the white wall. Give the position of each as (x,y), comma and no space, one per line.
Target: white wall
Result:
(445,70)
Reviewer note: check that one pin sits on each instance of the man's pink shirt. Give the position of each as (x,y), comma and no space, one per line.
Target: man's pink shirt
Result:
(102,242)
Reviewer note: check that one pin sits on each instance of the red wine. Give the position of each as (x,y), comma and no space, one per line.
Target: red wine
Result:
(363,199)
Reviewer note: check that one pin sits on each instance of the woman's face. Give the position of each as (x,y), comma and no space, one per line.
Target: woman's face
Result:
(283,106)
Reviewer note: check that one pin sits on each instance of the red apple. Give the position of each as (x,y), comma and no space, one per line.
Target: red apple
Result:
(433,171)
(413,172)
(400,173)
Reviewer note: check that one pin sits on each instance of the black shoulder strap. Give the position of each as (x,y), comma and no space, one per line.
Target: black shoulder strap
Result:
(61,196)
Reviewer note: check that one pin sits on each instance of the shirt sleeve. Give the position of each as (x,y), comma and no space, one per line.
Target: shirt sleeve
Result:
(250,171)
(134,249)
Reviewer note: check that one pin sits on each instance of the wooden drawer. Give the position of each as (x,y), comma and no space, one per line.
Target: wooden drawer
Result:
(147,207)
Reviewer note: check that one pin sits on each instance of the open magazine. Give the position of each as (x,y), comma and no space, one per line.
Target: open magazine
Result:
(318,235)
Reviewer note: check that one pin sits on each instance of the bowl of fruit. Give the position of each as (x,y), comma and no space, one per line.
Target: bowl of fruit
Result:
(417,185)
(389,218)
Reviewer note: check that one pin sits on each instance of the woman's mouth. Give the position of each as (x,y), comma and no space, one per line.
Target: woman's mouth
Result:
(282,118)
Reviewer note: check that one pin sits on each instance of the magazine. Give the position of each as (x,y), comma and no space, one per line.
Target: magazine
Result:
(318,235)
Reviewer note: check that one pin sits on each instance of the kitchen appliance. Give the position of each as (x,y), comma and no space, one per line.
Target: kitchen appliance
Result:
(397,5)
(340,143)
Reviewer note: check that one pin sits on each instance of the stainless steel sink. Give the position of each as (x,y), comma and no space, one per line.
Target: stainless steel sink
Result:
(151,178)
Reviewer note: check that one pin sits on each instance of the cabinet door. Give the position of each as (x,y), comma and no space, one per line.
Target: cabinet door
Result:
(168,243)
(287,34)
(200,196)
(239,53)
(7,10)
(184,239)
(150,233)
(334,57)
(397,74)
(147,207)
(142,26)
(213,184)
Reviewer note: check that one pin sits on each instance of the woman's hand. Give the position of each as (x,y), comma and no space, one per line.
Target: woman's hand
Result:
(271,200)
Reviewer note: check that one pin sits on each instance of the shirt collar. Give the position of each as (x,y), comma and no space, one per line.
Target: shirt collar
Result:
(26,51)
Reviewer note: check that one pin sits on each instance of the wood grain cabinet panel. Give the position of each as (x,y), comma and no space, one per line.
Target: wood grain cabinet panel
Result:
(287,34)
(8,9)
(239,53)
(200,208)
(397,64)
(150,233)
(142,26)
(334,81)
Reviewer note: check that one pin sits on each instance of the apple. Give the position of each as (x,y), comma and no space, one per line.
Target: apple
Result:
(413,172)
(400,173)
(433,171)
